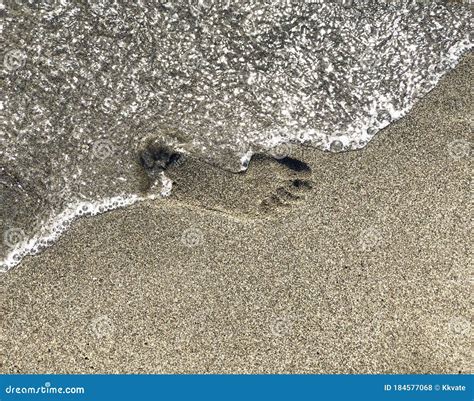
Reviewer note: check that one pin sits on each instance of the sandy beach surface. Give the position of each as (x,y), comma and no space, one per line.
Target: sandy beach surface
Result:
(361,265)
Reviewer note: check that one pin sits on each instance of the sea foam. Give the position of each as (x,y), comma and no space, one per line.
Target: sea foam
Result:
(87,88)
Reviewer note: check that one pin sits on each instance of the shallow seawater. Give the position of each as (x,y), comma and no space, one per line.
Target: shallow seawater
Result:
(100,97)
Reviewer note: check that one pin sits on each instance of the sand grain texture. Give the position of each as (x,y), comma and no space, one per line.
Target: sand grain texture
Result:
(368,271)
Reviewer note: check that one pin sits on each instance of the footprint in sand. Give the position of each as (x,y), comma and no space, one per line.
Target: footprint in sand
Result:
(269,184)
(294,186)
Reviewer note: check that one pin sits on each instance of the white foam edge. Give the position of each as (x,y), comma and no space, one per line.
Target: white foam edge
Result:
(57,225)
(323,141)
(75,210)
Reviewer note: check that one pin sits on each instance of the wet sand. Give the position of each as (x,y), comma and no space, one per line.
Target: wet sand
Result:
(360,266)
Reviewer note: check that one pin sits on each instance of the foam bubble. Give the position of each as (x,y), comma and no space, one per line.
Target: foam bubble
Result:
(57,225)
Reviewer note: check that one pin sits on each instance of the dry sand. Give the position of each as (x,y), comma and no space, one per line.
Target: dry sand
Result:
(368,271)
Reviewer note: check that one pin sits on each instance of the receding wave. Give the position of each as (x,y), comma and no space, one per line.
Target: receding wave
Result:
(100,98)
